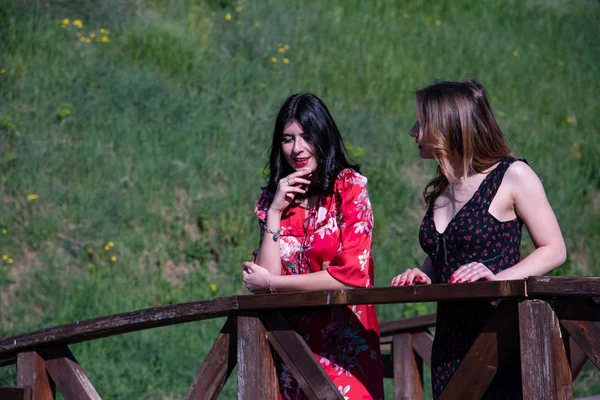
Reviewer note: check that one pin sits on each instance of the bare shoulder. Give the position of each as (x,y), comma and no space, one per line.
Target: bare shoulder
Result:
(521,174)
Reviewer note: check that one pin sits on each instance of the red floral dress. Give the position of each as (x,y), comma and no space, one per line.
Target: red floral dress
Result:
(336,236)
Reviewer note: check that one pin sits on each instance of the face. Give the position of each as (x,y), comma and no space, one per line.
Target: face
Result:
(298,152)
(425,149)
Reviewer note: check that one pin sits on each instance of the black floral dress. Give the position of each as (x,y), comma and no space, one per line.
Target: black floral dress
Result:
(473,235)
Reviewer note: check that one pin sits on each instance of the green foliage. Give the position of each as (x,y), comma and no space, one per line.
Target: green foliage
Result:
(161,145)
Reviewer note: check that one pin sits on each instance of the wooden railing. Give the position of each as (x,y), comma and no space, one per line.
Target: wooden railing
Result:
(553,321)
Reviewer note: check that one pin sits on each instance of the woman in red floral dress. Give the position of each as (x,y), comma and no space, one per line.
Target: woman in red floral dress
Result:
(316,227)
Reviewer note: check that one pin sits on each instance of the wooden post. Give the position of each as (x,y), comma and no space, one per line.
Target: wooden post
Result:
(297,356)
(257,379)
(70,379)
(31,372)
(408,383)
(545,368)
(217,365)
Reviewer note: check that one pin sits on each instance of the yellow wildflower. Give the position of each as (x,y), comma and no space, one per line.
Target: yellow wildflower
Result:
(114,259)
(90,251)
(4,231)
(104,31)
(111,244)
(65,22)
(561,63)
(2,71)
(515,53)
(4,257)
(575,150)
(281,50)
(10,261)
(92,35)
(33,197)
(262,85)
(286,47)
(438,22)
(286,61)
(78,23)
(228,17)
(569,120)
(239,8)
(82,39)
(213,287)
(88,40)
(107,247)
(105,39)
(273,59)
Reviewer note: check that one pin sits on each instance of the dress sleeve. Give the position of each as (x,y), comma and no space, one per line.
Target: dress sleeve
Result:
(266,198)
(353,264)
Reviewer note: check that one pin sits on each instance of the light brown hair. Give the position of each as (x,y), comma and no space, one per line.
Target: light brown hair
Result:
(457,122)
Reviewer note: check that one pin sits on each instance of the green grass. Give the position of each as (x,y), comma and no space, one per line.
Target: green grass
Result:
(156,141)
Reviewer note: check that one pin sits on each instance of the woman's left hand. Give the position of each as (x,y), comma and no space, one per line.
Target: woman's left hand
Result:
(256,278)
(472,272)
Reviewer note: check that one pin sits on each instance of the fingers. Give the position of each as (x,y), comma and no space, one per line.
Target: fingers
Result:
(409,277)
(471,272)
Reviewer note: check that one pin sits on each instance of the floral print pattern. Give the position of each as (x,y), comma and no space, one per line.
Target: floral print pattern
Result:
(472,235)
(335,236)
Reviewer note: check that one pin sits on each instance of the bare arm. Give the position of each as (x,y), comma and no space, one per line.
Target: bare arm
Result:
(531,204)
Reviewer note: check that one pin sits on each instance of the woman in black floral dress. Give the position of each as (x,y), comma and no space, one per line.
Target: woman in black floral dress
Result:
(471,231)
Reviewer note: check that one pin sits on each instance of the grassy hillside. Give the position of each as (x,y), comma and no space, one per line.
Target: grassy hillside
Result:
(133,135)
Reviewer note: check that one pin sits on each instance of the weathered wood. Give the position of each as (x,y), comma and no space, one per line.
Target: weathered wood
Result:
(581,318)
(420,293)
(563,286)
(68,375)
(114,325)
(544,365)
(577,358)
(31,373)
(217,365)
(422,343)
(490,351)
(15,393)
(297,356)
(256,371)
(408,383)
(407,324)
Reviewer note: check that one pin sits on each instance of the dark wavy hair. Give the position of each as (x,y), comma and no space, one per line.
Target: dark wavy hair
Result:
(322,133)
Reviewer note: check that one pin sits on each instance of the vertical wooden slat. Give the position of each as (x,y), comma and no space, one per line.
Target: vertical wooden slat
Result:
(422,344)
(407,377)
(298,357)
(31,372)
(577,358)
(544,365)
(217,365)
(256,371)
(70,379)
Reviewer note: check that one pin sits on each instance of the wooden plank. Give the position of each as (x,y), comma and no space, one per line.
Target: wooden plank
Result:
(70,379)
(407,324)
(300,360)
(15,393)
(544,366)
(217,365)
(409,294)
(577,358)
(563,286)
(256,371)
(422,343)
(581,319)
(489,352)
(116,324)
(31,373)
(408,381)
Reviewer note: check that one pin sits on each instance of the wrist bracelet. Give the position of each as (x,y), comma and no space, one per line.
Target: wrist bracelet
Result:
(275,234)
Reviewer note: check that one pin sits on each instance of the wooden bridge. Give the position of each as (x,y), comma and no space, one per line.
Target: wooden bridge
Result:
(553,321)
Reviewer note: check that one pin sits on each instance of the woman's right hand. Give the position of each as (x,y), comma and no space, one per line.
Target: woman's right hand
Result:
(287,189)
(410,276)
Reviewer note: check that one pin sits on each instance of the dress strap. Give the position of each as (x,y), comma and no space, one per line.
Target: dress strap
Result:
(495,179)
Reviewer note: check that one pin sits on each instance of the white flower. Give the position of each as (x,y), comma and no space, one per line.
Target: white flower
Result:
(363,259)
(343,391)
(361,227)
(357,313)
(322,213)
(325,361)
(289,247)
